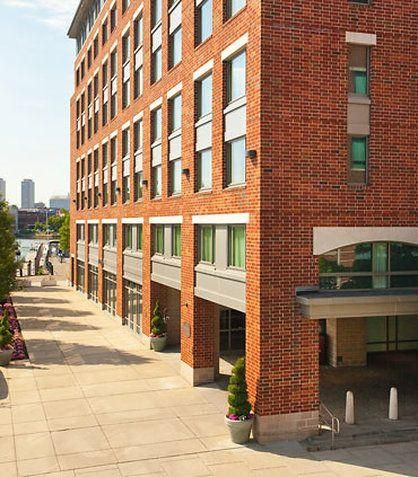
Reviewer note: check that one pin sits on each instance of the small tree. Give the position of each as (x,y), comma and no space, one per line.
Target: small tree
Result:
(64,232)
(239,407)
(6,336)
(8,263)
(158,322)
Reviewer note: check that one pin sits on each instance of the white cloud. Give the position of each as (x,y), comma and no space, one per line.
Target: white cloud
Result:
(55,13)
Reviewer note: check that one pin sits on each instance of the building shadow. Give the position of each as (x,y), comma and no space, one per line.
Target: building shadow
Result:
(4,388)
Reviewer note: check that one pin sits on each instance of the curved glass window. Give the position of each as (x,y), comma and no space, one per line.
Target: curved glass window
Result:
(368,266)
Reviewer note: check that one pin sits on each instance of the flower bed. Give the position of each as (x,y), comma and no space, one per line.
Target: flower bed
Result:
(20,351)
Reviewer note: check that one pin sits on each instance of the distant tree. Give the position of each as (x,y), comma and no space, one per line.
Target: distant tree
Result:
(40,227)
(8,247)
(55,222)
(64,232)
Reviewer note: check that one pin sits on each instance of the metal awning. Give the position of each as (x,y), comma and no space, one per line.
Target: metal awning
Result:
(354,304)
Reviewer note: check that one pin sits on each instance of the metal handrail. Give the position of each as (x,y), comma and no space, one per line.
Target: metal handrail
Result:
(333,422)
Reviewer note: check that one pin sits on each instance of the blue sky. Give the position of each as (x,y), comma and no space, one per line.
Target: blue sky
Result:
(36,82)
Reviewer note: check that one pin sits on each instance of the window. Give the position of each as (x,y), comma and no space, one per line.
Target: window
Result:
(159,239)
(113,18)
(156,12)
(89,58)
(175,34)
(156,41)
(204,169)
(139,237)
(233,7)
(236,158)
(207,244)
(236,77)
(105,28)
(128,237)
(81,233)
(138,57)
(176,238)
(204,96)
(113,171)
(89,110)
(96,103)
(156,134)
(113,84)
(378,265)
(358,159)
(204,20)
(125,5)
(93,234)
(126,184)
(236,246)
(96,46)
(157,65)
(132,306)
(110,290)
(96,178)
(138,177)
(105,93)
(126,69)
(105,177)
(109,235)
(175,118)
(358,70)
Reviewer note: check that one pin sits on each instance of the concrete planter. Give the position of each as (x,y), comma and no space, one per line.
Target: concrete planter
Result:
(240,430)
(158,343)
(6,356)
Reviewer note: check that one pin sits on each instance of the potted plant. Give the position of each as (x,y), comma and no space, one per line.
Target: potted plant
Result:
(239,419)
(158,329)
(6,338)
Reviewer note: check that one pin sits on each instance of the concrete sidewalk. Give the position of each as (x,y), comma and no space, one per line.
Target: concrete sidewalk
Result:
(92,402)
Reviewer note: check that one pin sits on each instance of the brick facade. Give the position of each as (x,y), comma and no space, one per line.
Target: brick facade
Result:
(297,60)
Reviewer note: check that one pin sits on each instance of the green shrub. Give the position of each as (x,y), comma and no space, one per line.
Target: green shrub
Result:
(239,407)
(6,336)
(158,322)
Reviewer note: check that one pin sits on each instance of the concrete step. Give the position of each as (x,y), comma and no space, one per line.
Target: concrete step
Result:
(322,442)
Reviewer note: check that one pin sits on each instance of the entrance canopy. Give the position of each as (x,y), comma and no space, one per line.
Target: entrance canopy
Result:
(358,303)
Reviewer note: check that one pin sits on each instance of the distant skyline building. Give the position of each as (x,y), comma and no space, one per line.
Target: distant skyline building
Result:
(60,202)
(28,194)
(2,189)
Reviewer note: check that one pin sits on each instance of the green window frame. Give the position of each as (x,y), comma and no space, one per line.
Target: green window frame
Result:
(127,237)
(139,238)
(207,244)
(176,241)
(159,239)
(359,153)
(237,246)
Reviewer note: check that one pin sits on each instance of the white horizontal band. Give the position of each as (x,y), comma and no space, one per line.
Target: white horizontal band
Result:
(93,222)
(126,125)
(156,104)
(105,58)
(138,117)
(125,30)
(221,219)
(138,12)
(133,220)
(234,47)
(355,38)
(80,222)
(173,91)
(109,221)
(114,46)
(114,134)
(105,140)
(203,70)
(174,219)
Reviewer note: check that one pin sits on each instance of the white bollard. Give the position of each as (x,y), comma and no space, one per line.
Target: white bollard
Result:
(393,405)
(349,408)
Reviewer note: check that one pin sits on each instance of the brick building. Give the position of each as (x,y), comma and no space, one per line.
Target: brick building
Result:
(252,166)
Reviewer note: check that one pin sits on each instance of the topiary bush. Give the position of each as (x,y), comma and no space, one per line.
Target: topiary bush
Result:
(6,336)
(158,322)
(239,407)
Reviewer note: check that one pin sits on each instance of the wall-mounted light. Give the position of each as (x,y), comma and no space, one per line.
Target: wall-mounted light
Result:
(186,171)
(99,194)
(251,154)
(145,183)
(74,201)
(118,190)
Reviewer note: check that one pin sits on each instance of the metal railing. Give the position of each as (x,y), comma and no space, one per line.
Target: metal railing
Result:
(328,421)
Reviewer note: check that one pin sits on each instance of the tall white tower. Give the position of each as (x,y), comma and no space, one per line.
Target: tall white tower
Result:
(2,189)
(28,194)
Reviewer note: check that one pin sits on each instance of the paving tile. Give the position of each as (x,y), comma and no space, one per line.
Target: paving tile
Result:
(43,465)
(192,467)
(32,446)
(66,408)
(28,413)
(33,427)
(72,422)
(86,459)
(6,430)
(108,471)
(230,470)
(62,393)
(140,467)
(8,469)
(7,449)
(207,426)
(122,387)
(146,432)
(79,441)
(135,415)
(124,402)
(52,382)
